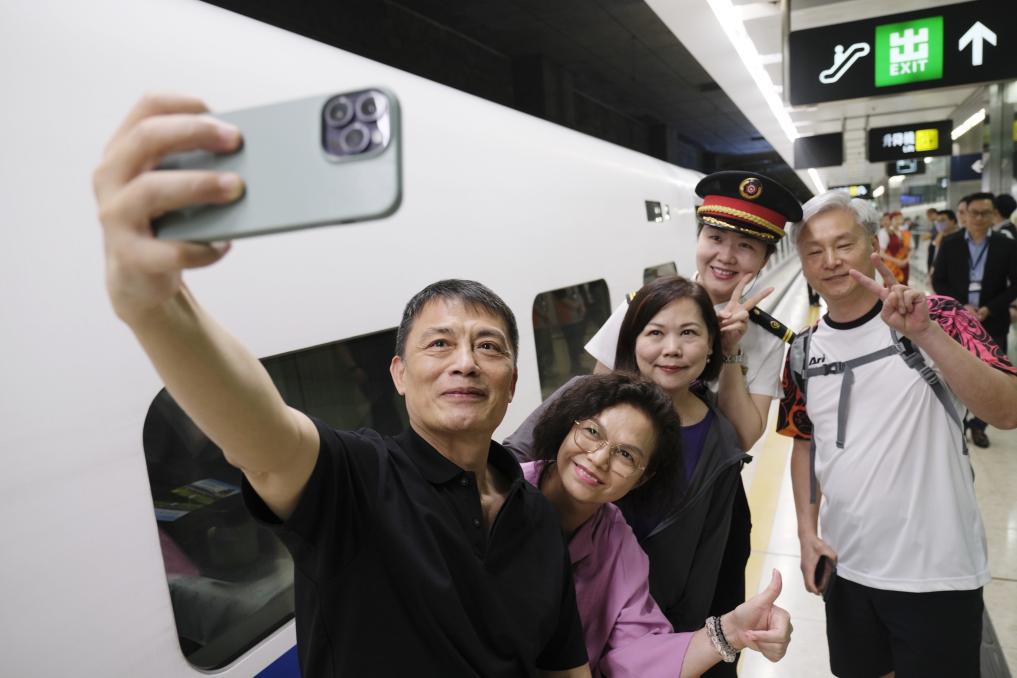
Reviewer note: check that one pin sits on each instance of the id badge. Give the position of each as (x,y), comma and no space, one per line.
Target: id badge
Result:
(975,286)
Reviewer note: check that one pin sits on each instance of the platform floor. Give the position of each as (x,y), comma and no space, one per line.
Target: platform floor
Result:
(775,537)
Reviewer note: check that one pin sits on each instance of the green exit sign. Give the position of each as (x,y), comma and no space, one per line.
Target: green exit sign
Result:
(910,51)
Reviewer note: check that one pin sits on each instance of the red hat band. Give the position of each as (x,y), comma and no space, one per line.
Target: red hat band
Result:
(751,212)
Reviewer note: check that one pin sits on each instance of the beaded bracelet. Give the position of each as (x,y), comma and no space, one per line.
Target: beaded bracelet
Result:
(716,635)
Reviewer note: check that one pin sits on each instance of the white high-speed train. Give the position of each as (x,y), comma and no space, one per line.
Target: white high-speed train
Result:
(125,552)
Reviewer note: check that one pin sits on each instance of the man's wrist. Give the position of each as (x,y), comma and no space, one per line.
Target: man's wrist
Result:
(923,338)
(807,533)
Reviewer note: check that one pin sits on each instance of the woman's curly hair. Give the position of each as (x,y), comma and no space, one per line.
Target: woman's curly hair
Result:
(664,477)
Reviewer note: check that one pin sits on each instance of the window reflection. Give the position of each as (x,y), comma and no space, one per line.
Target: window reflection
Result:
(659,271)
(563,321)
(230,580)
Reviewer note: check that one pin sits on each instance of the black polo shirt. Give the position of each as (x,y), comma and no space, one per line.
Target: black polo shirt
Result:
(396,574)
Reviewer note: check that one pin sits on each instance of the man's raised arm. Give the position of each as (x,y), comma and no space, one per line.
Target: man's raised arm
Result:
(221,385)
(986,391)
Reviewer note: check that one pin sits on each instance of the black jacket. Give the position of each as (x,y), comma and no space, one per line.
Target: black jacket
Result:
(999,282)
(686,546)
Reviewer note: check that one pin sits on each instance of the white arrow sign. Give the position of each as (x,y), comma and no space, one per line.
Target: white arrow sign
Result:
(978,165)
(975,36)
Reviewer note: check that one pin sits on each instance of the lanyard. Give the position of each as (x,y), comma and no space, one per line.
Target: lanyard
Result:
(978,259)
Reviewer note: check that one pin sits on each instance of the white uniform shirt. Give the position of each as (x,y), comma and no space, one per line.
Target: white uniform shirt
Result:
(762,352)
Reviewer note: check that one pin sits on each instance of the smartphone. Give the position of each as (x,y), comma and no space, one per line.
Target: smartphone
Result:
(329,159)
(825,571)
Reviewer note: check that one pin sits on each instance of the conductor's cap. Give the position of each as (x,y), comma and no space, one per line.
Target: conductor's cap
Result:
(748,203)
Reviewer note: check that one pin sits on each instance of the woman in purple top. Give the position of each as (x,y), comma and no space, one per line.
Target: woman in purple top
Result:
(605,436)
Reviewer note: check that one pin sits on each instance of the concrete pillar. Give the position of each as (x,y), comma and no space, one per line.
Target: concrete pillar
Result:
(973,141)
(998,175)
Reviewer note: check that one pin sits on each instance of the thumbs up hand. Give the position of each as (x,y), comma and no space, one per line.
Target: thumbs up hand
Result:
(760,625)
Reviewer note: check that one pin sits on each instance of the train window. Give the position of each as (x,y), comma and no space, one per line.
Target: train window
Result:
(563,321)
(230,580)
(653,272)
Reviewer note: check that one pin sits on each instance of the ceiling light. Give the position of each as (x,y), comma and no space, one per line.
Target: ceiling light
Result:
(731,22)
(928,159)
(880,190)
(817,182)
(896,180)
(963,128)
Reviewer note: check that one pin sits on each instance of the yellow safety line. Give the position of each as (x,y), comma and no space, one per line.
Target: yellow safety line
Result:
(763,497)
(765,492)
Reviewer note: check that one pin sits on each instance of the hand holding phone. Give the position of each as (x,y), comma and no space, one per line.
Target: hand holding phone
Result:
(321,160)
(826,569)
(143,273)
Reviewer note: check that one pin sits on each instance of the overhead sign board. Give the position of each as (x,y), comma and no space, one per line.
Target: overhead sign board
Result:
(901,167)
(855,190)
(910,141)
(967,167)
(937,47)
(821,150)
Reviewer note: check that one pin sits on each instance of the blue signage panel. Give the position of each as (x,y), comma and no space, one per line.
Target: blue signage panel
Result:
(966,167)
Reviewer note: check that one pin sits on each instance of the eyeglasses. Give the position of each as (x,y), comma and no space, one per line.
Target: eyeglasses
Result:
(979,214)
(589,436)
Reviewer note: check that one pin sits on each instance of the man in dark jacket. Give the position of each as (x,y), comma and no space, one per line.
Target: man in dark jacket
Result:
(978,267)
(1005,205)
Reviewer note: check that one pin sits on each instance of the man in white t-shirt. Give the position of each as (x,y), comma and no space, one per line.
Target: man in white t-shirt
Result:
(902,538)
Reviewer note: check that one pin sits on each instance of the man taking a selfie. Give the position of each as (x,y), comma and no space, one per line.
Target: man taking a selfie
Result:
(425,554)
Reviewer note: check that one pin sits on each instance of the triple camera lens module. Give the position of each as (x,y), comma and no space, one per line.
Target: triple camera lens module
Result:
(356,123)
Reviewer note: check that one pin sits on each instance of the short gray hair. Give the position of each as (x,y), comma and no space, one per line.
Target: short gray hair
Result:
(865,214)
(471,294)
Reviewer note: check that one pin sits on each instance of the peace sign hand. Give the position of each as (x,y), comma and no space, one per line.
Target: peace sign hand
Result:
(905,309)
(734,318)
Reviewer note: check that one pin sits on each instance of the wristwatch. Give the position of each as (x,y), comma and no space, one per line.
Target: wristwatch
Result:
(737,359)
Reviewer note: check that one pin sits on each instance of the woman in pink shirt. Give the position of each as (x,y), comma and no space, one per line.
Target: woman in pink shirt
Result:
(605,436)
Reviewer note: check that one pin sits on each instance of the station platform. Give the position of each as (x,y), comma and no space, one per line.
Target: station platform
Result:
(775,538)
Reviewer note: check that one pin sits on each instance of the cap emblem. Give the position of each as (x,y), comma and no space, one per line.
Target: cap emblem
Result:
(750,188)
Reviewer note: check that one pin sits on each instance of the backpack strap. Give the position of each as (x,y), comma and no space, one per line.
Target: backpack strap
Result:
(798,358)
(901,346)
(798,361)
(812,470)
(847,381)
(845,368)
(913,358)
